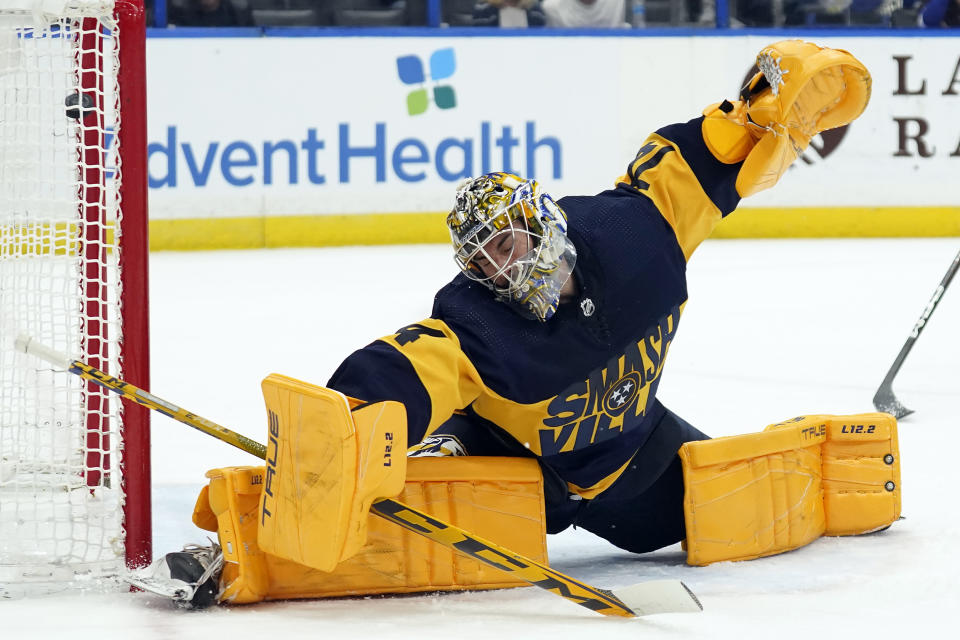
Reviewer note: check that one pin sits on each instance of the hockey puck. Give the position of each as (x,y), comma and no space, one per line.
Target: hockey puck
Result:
(74,99)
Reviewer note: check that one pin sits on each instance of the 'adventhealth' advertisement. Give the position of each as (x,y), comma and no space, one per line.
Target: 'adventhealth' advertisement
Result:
(375,125)
(368,125)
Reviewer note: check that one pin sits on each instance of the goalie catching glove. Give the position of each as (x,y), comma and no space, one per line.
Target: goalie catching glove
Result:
(800,90)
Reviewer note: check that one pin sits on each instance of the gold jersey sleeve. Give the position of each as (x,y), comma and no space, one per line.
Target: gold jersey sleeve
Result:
(661,172)
(449,377)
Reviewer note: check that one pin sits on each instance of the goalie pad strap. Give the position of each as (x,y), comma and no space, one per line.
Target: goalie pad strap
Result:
(500,499)
(764,493)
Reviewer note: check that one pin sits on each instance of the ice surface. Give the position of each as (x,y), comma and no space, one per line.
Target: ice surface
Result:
(773,329)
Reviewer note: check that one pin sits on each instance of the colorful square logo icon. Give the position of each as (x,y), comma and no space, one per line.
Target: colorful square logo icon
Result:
(411,71)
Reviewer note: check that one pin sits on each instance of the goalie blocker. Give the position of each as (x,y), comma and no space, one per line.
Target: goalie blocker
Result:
(328,459)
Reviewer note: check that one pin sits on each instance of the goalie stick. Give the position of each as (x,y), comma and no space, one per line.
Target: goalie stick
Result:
(884,399)
(645,598)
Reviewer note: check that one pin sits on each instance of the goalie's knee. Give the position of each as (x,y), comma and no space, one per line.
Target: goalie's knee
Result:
(764,493)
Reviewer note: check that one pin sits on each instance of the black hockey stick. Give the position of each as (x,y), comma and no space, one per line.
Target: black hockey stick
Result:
(884,399)
(645,598)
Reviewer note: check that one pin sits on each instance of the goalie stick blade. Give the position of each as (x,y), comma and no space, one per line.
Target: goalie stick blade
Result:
(175,590)
(659,596)
(885,401)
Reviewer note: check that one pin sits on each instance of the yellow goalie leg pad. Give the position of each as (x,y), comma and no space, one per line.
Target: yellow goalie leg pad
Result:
(500,499)
(861,473)
(753,495)
(764,493)
(326,463)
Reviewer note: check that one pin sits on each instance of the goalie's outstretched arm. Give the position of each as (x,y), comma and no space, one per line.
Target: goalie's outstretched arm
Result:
(696,172)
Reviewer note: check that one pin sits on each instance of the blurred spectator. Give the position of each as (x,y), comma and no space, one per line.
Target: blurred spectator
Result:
(835,6)
(205,13)
(754,13)
(763,13)
(941,13)
(804,12)
(585,13)
(508,13)
(703,12)
(875,12)
(148,9)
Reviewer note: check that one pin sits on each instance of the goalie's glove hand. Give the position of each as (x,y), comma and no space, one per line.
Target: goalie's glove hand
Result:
(800,90)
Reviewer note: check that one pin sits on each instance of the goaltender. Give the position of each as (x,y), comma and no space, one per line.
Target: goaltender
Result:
(546,353)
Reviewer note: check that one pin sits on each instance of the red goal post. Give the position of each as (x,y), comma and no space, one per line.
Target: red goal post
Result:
(74,463)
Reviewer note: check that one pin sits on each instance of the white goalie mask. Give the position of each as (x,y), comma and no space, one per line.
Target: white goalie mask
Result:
(512,237)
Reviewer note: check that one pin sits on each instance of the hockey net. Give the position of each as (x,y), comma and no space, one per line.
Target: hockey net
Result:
(74,491)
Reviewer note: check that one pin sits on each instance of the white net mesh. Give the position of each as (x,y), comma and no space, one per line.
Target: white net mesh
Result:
(60,491)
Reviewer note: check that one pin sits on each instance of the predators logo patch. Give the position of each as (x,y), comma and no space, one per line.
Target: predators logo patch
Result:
(437,446)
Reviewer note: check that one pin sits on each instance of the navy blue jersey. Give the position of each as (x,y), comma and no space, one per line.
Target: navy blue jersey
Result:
(577,391)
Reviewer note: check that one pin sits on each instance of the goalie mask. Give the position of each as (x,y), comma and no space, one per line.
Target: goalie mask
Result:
(512,237)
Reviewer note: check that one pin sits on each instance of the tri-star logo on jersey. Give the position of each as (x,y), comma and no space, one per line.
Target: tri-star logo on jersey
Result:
(622,394)
(614,398)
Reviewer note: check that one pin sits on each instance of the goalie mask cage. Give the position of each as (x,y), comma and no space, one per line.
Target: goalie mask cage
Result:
(74,463)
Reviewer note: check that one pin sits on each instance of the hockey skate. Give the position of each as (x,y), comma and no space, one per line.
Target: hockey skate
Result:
(191,578)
